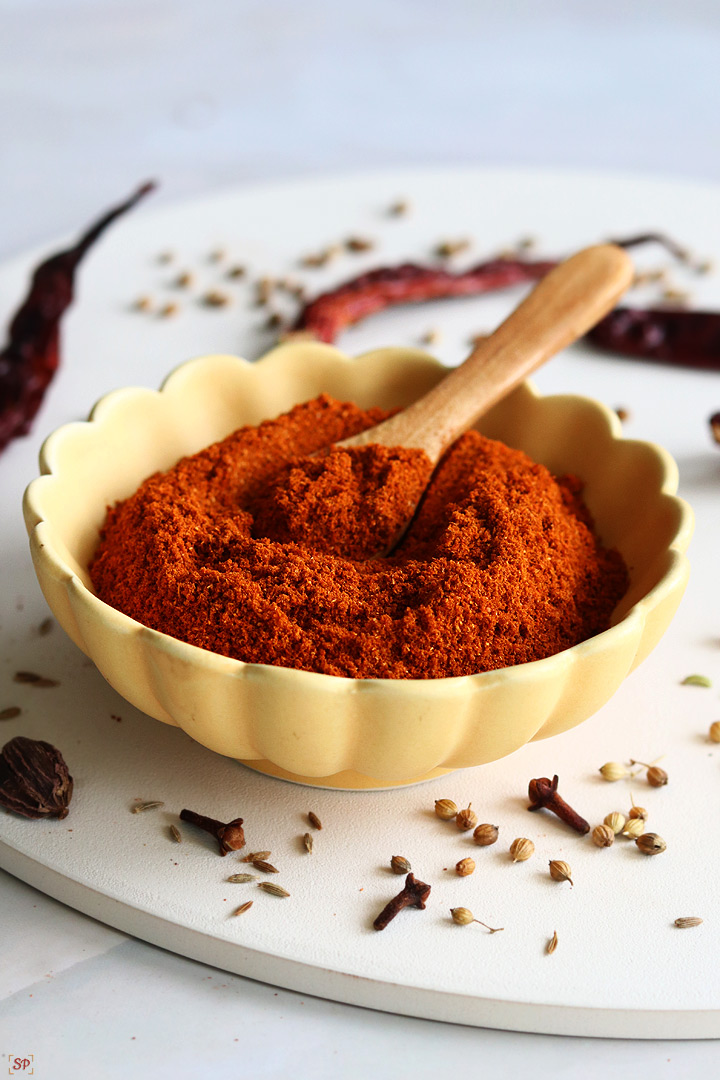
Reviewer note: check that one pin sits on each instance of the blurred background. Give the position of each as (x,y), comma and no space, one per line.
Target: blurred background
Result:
(97,94)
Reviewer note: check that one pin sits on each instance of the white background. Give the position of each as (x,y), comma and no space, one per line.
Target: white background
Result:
(95,96)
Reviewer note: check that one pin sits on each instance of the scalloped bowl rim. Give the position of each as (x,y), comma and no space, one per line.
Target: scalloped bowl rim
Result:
(48,560)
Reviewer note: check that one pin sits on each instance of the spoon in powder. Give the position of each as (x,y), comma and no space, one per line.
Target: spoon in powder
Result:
(365,489)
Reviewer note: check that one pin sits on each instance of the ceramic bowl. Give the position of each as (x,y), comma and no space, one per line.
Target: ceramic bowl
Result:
(321,729)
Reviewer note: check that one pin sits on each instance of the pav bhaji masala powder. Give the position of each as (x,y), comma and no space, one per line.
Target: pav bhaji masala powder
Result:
(241,550)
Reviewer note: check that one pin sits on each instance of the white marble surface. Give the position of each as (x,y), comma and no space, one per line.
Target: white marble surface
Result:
(96,95)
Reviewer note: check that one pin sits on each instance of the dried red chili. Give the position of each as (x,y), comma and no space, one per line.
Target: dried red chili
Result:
(688,338)
(30,358)
(333,311)
(665,335)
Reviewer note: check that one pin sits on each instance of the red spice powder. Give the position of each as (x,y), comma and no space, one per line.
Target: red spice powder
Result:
(499,567)
(352,502)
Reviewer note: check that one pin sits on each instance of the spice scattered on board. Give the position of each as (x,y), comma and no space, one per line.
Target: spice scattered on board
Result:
(229,835)
(463,917)
(651,844)
(560,871)
(615,821)
(33,679)
(486,834)
(273,890)
(714,423)
(265,867)
(655,776)
(400,865)
(34,779)
(314,820)
(13,710)
(543,794)
(141,807)
(414,894)
(552,944)
(465,867)
(697,680)
(612,771)
(521,849)
(466,819)
(253,855)
(243,908)
(603,836)
(686,922)
(445,809)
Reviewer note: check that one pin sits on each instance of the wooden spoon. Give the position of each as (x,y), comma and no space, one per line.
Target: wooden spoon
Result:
(562,307)
(363,517)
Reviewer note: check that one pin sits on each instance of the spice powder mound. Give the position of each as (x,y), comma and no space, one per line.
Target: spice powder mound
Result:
(500,565)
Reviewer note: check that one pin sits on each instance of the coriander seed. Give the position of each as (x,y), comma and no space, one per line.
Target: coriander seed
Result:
(465,867)
(655,776)
(463,917)
(215,298)
(650,843)
(633,828)
(616,822)
(447,248)
(612,771)
(466,819)
(445,809)
(603,836)
(399,865)
(485,835)
(638,812)
(521,849)
(560,871)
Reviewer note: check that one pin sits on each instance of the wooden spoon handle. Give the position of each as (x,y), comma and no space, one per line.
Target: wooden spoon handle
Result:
(560,309)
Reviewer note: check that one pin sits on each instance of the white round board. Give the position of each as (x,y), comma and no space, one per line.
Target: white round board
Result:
(621,967)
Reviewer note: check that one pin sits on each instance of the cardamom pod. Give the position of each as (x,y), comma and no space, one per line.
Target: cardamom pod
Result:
(34,779)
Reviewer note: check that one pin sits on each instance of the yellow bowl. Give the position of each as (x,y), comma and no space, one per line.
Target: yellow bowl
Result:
(321,729)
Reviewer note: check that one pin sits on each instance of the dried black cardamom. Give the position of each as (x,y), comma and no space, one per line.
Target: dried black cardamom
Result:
(34,779)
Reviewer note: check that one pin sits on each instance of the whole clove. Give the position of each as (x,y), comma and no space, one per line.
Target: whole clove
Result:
(34,779)
(543,794)
(229,835)
(414,894)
